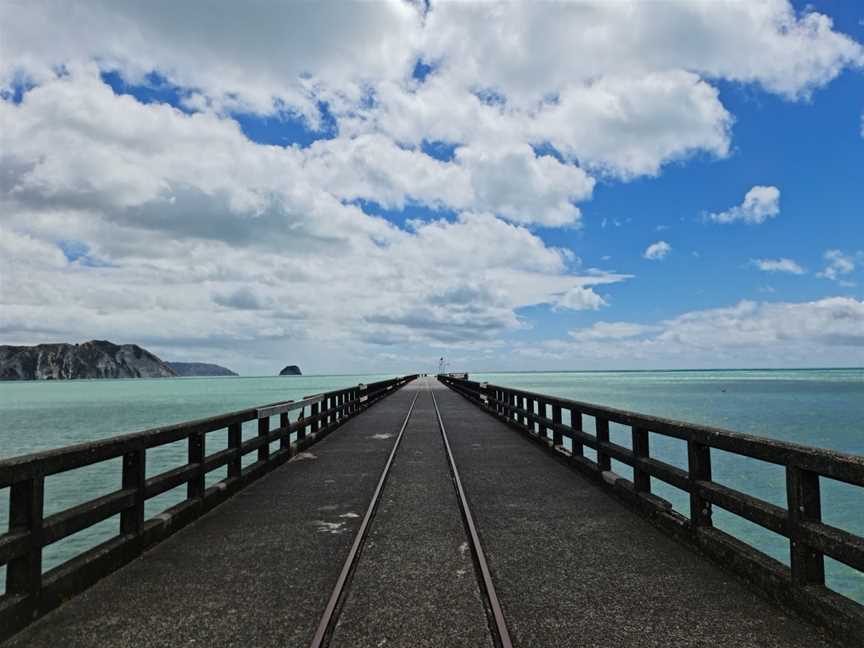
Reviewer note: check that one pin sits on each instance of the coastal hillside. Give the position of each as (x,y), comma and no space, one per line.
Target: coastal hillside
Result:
(93,359)
(291,370)
(200,369)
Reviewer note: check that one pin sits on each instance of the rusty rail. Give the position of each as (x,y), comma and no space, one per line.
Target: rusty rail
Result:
(801,585)
(30,592)
(497,622)
(323,634)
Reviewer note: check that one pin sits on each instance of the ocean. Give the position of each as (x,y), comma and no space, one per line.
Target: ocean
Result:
(818,407)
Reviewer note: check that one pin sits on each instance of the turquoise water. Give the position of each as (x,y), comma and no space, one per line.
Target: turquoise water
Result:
(815,407)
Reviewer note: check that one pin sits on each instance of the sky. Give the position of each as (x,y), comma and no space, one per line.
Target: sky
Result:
(372,186)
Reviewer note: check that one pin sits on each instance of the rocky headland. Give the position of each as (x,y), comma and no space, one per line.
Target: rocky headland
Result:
(200,369)
(93,359)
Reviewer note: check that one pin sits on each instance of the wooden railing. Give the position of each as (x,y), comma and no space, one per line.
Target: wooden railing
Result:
(802,584)
(30,593)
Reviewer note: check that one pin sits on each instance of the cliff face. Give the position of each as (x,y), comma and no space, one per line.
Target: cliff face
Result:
(94,359)
(291,370)
(199,369)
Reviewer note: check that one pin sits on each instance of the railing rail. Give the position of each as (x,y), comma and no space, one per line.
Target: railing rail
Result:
(810,539)
(30,592)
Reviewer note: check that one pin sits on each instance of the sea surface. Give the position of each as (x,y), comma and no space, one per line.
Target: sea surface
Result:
(823,408)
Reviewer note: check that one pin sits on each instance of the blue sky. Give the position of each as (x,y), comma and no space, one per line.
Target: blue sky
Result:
(522,197)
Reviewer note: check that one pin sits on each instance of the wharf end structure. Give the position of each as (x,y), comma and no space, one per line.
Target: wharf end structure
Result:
(444,512)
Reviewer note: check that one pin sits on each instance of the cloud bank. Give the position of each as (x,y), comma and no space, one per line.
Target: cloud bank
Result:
(165,223)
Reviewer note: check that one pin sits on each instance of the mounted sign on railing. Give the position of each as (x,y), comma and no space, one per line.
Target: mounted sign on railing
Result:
(30,593)
(810,540)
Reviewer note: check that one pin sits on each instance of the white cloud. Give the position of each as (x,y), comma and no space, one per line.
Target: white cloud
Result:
(580,298)
(215,238)
(746,334)
(518,48)
(629,126)
(611,331)
(657,251)
(514,183)
(230,243)
(778,265)
(760,204)
(632,94)
(198,238)
(266,58)
(838,264)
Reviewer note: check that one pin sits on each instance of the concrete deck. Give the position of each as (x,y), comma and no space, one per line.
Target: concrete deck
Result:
(572,566)
(415,583)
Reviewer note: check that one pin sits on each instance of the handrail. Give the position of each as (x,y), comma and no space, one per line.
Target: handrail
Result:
(287,406)
(30,593)
(810,539)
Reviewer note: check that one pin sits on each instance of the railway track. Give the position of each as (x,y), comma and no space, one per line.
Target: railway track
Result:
(499,634)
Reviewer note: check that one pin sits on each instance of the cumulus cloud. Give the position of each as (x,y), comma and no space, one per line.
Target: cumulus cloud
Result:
(778,265)
(522,187)
(632,95)
(264,58)
(580,298)
(746,334)
(197,236)
(657,251)
(760,204)
(838,264)
(611,331)
(766,43)
(243,298)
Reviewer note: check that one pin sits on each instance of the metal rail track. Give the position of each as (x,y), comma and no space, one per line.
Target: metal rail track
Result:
(495,615)
(337,598)
(492,606)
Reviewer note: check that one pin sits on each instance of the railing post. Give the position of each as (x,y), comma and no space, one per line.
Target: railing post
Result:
(26,498)
(641,479)
(314,414)
(576,424)
(134,477)
(285,426)
(557,435)
(699,468)
(301,423)
(536,406)
(604,461)
(523,402)
(263,431)
(802,492)
(235,440)
(542,430)
(195,486)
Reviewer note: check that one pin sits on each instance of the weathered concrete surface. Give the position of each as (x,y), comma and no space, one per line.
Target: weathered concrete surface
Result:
(256,571)
(414,585)
(573,567)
